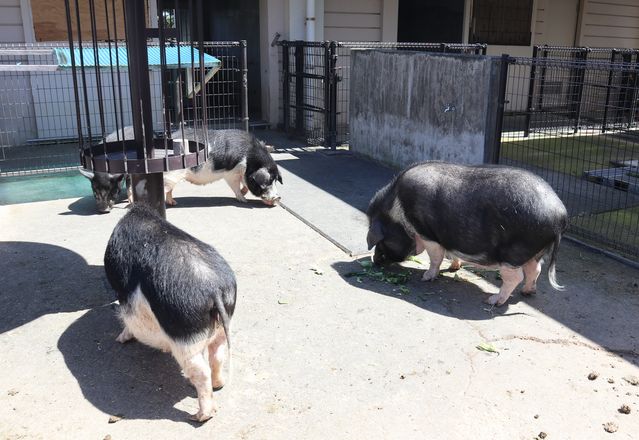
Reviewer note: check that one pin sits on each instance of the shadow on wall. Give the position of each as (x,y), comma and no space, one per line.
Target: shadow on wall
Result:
(131,380)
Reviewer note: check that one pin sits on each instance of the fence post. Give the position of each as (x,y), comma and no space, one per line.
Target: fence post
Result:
(286,90)
(634,90)
(492,153)
(542,84)
(334,82)
(531,91)
(244,68)
(299,88)
(579,84)
(327,95)
(605,115)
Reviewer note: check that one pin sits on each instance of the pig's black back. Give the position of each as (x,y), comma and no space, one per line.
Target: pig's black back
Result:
(499,214)
(179,275)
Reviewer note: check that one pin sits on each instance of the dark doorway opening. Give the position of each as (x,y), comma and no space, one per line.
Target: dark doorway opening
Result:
(234,20)
(430,21)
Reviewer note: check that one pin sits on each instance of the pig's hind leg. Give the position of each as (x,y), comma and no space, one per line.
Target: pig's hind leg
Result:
(217,356)
(511,277)
(532,269)
(196,368)
(125,336)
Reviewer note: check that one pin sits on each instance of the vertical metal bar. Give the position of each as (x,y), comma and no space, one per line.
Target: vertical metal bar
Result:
(607,104)
(84,79)
(635,89)
(333,91)
(531,91)
(542,84)
(244,69)
(74,73)
(200,38)
(286,91)
(146,187)
(327,95)
(299,88)
(501,103)
(581,75)
(98,74)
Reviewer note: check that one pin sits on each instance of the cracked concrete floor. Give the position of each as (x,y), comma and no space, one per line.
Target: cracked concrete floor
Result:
(317,354)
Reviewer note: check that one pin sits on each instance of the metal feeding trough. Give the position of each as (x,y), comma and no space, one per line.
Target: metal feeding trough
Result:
(111,54)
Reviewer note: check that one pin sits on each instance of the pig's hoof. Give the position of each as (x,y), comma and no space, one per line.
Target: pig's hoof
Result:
(454,266)
(244,191)
(496,300)
(171,202)
(202,416)
(240,198)
(218,383)
(125,336)
(529,292)
(429,276)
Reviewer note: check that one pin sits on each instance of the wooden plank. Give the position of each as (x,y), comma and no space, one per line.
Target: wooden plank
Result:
(626,10)
(352,20)
(353,6)
(50,22)
(11,34)
(10,15)
(346,34)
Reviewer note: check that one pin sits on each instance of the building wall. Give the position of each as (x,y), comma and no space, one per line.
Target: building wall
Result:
(11,30)
(609,23)
(556,22)
(354,20)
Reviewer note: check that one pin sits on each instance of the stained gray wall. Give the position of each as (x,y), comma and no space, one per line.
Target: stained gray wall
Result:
(412,106)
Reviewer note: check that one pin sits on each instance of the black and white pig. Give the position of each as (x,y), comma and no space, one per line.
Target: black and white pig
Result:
(487,215)
(236,156)
(176,294)
(107,187)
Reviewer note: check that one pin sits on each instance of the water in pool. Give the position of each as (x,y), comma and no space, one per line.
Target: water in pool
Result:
(40,187)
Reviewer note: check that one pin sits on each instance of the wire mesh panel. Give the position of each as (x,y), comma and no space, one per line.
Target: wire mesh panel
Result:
(38,124)
(315,78)
(583,139)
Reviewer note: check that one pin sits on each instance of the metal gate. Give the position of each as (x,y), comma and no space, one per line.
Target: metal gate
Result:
(573,120)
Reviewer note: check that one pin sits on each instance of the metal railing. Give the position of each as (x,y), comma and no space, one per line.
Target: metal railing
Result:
(574,122)
(315,81)
(38,130)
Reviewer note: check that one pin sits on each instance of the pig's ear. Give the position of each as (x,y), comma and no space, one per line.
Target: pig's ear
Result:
(117,178)
(86,173)
(375,234)
(279,178)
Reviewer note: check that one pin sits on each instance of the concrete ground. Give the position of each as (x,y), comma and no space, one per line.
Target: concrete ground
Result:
(319,353)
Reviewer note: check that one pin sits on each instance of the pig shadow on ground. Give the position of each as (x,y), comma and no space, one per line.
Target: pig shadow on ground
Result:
(447,295)
(215,202)
(128,380)
(40,279)
(86,206)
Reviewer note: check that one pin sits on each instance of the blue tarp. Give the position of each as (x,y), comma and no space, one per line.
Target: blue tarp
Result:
(109,56)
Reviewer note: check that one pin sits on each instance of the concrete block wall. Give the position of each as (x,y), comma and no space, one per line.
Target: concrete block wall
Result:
(413,106)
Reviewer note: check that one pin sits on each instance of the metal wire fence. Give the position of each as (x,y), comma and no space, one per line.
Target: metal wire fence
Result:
(578,129)
(315,84)
(38,124)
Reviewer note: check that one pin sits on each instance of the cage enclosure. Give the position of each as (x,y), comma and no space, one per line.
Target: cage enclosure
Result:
(133,127)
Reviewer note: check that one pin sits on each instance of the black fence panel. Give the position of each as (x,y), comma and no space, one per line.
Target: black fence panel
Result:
(315,79)
(38,129)
(574,121)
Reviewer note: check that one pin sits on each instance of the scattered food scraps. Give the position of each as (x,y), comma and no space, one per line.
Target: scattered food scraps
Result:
(624,409)
(115,418)
(610,427)
(484,346)
(593,375)
(632,380)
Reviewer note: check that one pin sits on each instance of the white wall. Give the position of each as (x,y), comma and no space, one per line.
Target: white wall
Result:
(556,22)
(354,20)
(609,23)
(11,30)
